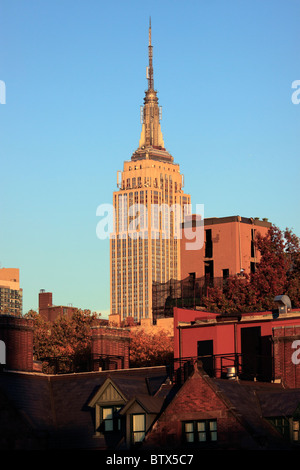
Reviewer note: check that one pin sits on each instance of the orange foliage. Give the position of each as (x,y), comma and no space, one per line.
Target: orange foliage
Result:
(150,349)
(64,336)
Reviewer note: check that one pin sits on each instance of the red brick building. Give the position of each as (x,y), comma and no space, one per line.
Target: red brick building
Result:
(110,347)
(144,408)
(16,334)
(216,414)
(51,312)
(286,340)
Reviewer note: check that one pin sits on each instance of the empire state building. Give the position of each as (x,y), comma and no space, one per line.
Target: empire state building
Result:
(148,209)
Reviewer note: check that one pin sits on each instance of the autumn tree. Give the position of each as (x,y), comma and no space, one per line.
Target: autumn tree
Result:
(68,337)
(150,349)
(42,345)
(278,272)
(292,249)
(236,295)
(270,277)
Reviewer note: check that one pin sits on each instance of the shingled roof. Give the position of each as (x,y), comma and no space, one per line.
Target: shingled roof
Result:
(248,404)
(245,401)
(54,408)
(39,411)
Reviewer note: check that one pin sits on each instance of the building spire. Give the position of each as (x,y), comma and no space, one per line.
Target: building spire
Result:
(151,135)
(150,67)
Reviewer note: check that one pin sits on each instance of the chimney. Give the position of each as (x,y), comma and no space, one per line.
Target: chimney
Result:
(45,299)
(16,336)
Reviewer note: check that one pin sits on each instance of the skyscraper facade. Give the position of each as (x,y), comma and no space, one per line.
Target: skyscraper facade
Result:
(11,296)
(149,206)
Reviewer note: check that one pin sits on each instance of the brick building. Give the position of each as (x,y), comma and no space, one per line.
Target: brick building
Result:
(211,250)
(51,312)
(109,350)
(215,414)
(227,248)
(16,335)
(286,340)
(152,408)
(110,347)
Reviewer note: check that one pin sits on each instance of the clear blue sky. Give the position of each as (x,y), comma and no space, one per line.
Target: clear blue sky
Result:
(74,72)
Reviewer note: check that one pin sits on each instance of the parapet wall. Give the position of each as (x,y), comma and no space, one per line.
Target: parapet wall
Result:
(112,343)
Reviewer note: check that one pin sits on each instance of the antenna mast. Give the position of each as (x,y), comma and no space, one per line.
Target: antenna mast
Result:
(150,67)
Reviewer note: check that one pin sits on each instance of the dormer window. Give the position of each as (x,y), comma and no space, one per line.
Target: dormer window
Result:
(120,419)
(108,402)
(110,420)
(138,427)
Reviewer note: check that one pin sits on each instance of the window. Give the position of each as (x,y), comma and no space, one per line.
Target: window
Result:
(282,426)
(225,273)
(253,235)
(208,244)
(138,427)
(109,418)
(296,429)
(252,267)
(200,431)
(209,270)
(289,428)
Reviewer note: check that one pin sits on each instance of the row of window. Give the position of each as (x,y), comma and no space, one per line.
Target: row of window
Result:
(209,246)
(200,431)
(139,167)
(192,431)
(209,269)
(134,183)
